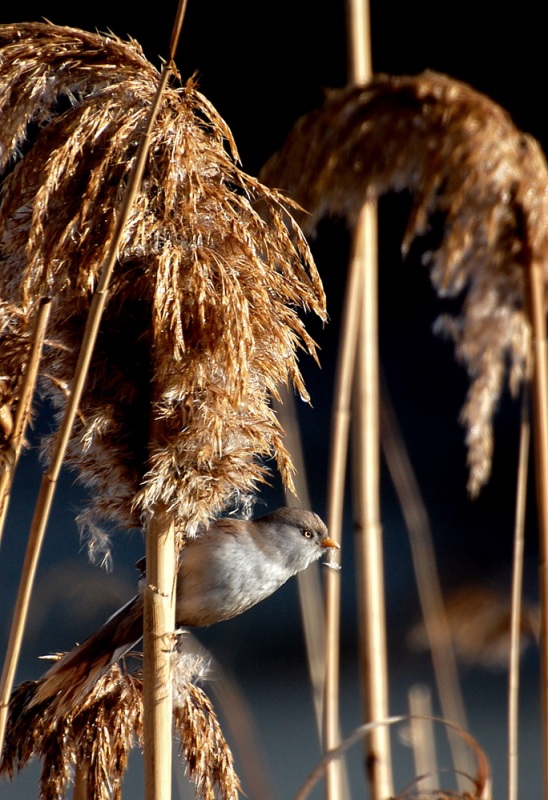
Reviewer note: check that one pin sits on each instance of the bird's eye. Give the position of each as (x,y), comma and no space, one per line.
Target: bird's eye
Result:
(307,533)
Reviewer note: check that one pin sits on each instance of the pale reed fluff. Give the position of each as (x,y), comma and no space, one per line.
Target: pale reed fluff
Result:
(461,157)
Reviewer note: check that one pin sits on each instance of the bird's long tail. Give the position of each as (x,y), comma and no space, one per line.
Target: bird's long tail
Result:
(71,678)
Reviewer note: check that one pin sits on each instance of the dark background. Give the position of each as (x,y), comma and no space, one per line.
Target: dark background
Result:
(262,66)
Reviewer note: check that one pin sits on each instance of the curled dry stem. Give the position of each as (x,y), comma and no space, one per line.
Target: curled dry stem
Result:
(481,782)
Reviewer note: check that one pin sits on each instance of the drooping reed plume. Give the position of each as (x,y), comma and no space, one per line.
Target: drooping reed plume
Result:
(461,157)
(202,321)
(98,735)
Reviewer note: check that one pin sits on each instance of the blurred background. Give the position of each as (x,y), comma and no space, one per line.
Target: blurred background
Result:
(262,66)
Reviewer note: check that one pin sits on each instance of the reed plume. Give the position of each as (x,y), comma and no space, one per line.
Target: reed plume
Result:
(462,159)
(202,321)
(98,734)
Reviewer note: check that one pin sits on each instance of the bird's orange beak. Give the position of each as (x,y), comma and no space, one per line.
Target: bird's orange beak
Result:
(330,543)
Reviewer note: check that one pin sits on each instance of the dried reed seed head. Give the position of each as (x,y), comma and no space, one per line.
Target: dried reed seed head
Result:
(204,747)
(97,735)
(202,323)
(21,738)
(459,154)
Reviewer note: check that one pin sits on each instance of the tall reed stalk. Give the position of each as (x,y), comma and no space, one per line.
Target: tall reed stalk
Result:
(31,556)
(436,623)
(309,585)
(340,426)
(536,283)
(158,647)
(23,414)
(517,589)
(369,547)
(159,592)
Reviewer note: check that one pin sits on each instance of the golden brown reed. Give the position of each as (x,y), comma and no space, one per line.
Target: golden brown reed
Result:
(461,157)
(21,345)
(98,734)
(202,743)
(202,320)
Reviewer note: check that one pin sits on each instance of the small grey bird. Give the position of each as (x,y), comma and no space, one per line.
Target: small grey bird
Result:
(225,570)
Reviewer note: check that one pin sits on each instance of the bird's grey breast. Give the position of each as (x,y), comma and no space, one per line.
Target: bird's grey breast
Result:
(220,579)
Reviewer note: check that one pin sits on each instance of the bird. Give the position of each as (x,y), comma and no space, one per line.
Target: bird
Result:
(226,569)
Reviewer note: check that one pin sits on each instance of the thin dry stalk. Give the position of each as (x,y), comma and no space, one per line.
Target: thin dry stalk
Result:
(517,587)
(81,790)
(340,427)
(536,286)
(308,582)
(161,551)
(14,443)
(20,613)
(336,481)
(423,741)
(370,568)
(436,624)
(369,551)
(360,62)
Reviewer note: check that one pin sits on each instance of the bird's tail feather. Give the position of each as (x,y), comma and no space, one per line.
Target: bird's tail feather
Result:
(71,678)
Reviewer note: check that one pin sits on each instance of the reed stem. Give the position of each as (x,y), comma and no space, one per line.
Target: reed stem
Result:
(309,585)
(517,586)
(80,789)
(535,285)
(428,584)
(33,546)
(158,645)
(340,426)
(369,553)
(159,593)
(24,408)
(372,620)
